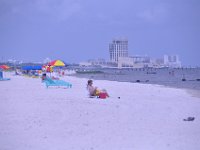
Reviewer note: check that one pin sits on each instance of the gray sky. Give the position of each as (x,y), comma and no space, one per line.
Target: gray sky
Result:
(76,30)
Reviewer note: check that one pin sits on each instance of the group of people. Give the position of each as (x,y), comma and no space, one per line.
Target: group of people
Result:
(95,92)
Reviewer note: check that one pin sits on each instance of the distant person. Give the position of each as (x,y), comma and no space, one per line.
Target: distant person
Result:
(94,91)
(16,72)
(44,76)
(63,73)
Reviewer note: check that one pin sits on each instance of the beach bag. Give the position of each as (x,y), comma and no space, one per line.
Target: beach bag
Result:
(103,95)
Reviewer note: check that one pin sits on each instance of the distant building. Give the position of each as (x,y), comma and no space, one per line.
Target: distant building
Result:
(118,48)
(119,57)
(172,61)
(125,62)
(141,59)
(85,64)
(94,62)
(97,61)
(134,61)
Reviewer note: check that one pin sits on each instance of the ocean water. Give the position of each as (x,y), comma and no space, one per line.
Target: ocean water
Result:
(188,78)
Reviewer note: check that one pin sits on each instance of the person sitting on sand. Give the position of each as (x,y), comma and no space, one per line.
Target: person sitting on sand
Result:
(94,91)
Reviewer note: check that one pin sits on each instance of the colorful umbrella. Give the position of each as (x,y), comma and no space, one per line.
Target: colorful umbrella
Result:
(57,63)
(5,67)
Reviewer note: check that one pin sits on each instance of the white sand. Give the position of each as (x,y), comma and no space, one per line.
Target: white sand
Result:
(146,117)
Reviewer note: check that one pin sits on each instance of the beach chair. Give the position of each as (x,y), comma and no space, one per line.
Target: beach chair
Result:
(4,79)
(1,77)
(51,82)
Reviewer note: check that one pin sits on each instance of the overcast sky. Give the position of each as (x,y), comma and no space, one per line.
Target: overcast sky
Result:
(77,30)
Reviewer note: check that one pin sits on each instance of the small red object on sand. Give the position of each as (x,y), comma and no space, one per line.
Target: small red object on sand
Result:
(103,95)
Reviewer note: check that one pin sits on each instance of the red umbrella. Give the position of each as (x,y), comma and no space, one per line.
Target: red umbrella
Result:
(4,67)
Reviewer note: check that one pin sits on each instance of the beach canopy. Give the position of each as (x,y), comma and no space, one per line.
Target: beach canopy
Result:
(4,67)
(32,68)
(57,63)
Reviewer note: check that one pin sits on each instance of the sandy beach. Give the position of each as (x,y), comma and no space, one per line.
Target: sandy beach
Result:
(134,117)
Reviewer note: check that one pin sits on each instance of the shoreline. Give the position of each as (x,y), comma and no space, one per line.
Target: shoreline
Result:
(177,78)
(192,91)
(186,85)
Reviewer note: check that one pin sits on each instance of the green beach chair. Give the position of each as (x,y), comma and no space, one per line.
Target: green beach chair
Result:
(51,82)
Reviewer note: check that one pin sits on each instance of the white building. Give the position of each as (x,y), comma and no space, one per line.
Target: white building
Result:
(118,48)
(94,62)
(172,61)
(125,62)
(134,61)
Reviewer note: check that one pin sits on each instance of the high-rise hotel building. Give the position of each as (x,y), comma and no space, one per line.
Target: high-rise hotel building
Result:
(118,48)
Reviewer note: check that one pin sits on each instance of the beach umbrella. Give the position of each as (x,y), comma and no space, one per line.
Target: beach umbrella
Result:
(57,63)
(4,67)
